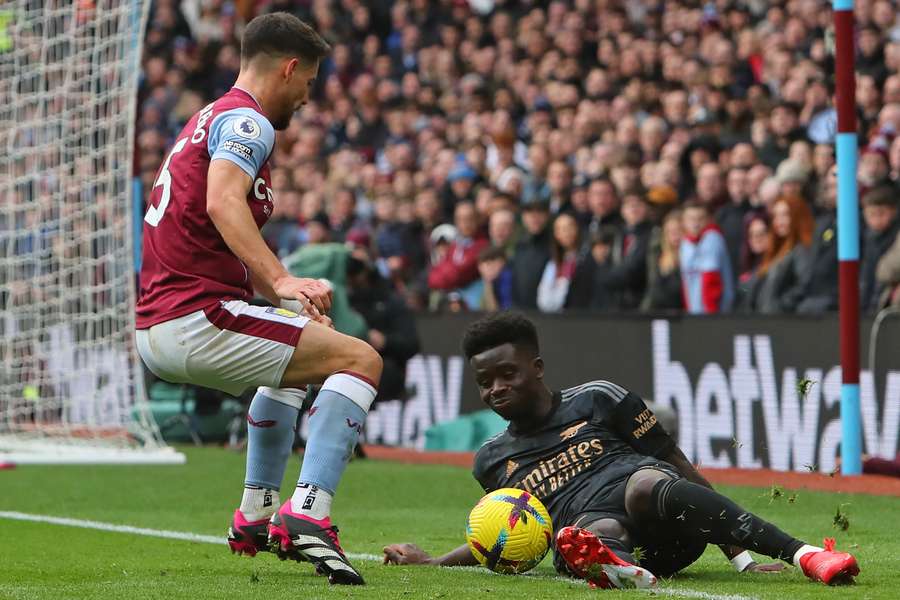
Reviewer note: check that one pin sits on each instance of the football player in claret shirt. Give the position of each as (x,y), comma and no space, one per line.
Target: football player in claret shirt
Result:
(203,259)
(610,476)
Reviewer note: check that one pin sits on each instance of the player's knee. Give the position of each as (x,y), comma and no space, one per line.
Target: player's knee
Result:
(608,529)
(366,361)
(639,492)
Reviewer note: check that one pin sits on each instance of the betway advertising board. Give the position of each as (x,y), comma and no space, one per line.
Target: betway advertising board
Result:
(734,382)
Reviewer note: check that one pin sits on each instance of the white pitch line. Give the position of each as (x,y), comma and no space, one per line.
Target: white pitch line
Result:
(697,594)
(160,533)
(213,539)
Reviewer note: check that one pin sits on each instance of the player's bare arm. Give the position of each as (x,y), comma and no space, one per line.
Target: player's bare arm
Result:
(264,289)
(411,554)
(226,204)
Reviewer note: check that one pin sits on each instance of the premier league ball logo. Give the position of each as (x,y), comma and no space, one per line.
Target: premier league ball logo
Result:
(247,128)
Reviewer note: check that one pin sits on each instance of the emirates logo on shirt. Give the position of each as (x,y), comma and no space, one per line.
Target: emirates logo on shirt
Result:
(569,432)
(511,467)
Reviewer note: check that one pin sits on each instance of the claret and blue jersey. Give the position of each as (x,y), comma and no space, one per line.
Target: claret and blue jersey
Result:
(186,264)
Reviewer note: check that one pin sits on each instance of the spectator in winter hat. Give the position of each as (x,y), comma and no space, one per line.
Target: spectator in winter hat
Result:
(791,177)
(873,163)
(459,265)
(460,186)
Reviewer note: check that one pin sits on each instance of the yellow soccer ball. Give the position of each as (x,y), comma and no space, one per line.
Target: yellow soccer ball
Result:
(509,531)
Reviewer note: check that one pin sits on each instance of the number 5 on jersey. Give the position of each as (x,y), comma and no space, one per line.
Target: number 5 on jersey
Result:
(155,213)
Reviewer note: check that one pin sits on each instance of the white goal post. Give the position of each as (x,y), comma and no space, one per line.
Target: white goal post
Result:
(71,386)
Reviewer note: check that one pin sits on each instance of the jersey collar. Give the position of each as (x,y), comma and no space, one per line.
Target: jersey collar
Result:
(252,97)
(557,400)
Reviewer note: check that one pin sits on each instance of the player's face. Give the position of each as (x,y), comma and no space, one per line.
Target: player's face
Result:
(508,380)
(298,78)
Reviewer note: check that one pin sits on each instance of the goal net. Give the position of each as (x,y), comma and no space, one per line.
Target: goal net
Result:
(71,386)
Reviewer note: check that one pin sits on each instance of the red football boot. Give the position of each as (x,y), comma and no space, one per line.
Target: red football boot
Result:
(589,558)
(828,566)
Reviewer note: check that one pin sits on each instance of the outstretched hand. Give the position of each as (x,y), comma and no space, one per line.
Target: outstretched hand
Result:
(405,554)
(765,568)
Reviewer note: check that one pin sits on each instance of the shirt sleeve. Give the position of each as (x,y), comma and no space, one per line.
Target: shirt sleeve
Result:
(242,136)
(637,425)
(481,472)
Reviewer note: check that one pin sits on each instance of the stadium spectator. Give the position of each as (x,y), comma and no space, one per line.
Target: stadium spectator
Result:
(782,131)
(556,278)
(730,217)
(590,287)
(394,240)
(663,273)
(391,328)
(458,267)
(502,230)
(882,227)
(628,277)
(604,205)
(787,259)
(757,242)
(817,292)
(873,164)
(710,186)
(706,277)
(888,275)
(570,104)
(532,253)
(496,279)
(792,177)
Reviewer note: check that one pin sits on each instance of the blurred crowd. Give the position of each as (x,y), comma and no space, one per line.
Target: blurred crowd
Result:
(607,155)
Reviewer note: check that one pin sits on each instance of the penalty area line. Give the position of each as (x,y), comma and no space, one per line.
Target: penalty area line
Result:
(221,541)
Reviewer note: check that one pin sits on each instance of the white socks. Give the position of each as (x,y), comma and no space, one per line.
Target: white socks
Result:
(259,503)
(805,549)
(311,501)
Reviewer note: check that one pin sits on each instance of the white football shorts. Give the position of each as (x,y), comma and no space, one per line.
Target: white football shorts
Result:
(229,347)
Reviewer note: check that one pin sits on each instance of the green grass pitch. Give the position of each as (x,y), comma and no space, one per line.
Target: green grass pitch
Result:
(377,503)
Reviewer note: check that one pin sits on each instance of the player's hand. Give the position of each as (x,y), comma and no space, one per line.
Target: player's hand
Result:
(326,321)
(405,554)
(313,294)
(765,568)
(377,339)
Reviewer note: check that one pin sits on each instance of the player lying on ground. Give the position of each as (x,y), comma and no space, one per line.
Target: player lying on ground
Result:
(203,258)
(610,476)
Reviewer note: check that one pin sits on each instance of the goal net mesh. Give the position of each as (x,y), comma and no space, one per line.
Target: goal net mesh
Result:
(71,387)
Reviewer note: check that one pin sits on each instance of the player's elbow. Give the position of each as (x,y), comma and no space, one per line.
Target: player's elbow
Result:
(214,207)
(217,206)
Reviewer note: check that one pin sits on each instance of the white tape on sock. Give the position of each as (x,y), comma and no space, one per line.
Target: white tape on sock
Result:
(361,393)
(742,561)
(291,396)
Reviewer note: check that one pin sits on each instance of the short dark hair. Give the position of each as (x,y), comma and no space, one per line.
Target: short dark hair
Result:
(695,204)
(491,253)
(883,195)
(282,34)
(497,329)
